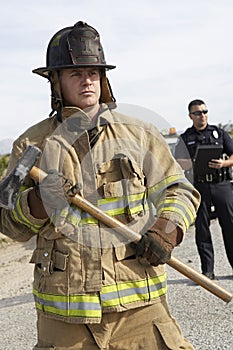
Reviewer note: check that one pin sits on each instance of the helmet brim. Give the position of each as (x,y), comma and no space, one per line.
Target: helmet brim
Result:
(44,71)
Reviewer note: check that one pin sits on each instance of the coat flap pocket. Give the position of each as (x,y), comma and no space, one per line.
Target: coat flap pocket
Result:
(40,255)
(104,167)
(129,166)
(60,260)
(113,189)
(124,251)
(171,333)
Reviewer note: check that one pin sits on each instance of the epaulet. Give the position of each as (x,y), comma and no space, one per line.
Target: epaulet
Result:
(214,127)
(187,131)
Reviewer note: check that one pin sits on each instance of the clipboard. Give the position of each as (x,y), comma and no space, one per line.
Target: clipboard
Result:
(203,154)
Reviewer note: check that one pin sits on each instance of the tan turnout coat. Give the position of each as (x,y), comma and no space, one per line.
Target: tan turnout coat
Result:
(123,166)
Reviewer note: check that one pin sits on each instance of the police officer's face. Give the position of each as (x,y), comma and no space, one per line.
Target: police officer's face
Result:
(80,87)
(199,116)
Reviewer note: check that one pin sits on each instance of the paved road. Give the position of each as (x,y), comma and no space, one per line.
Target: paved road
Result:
(205,320)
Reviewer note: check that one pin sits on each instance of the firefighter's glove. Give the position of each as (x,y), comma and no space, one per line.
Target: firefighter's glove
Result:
(55,191)
(156,245)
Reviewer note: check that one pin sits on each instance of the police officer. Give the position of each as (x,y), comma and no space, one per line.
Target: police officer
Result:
(215,187)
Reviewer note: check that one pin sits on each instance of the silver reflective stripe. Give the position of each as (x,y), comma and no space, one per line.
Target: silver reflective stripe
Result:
(68,306)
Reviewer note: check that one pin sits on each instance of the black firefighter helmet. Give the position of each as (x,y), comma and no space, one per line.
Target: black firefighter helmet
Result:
(77,46)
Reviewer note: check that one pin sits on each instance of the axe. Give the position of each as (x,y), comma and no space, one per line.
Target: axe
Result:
(9,188)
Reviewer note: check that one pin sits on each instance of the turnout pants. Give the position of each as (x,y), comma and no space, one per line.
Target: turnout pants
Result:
(145,328)
(221,196)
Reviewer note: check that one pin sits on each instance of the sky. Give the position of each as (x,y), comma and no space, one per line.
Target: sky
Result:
(166,52)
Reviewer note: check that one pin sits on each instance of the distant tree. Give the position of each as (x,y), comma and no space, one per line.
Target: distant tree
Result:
(4,160)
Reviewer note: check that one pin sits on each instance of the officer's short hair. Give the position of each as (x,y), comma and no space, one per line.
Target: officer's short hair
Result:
(195,103)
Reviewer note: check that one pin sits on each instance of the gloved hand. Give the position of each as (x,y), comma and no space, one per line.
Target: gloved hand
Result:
(157,244)
(55,190)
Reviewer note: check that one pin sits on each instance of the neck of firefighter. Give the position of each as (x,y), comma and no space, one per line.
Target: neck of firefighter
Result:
(92,111)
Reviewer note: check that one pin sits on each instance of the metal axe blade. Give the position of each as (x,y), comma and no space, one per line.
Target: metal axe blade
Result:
(10,185)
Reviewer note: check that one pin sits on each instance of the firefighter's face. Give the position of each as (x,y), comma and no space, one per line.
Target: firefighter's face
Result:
(199,116)
(80,87)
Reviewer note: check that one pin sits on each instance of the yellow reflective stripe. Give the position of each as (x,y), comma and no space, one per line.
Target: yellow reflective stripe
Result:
(69,313)
(178,211)
(168,181)
(187,209)
(69,305)
(139,208)
(66,213)
(115,212)
(179,207)
(23,188)
(116,205)
(172,204)
(87,221)
(157,279)
(72,215)
(131,198)
(129,292)
(114,295)
(112,206)
(156,293)
(76,298)
(21,218)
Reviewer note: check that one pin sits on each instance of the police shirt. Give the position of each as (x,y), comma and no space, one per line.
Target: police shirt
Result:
(211,135)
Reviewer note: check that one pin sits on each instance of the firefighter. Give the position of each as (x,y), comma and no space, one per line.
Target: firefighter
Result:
(214,186)
(93,289)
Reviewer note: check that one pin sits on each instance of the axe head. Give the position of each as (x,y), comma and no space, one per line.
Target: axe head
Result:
(10,185)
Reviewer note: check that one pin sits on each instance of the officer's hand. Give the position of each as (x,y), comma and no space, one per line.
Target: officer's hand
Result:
(216,163)
(55,191)
(157,244)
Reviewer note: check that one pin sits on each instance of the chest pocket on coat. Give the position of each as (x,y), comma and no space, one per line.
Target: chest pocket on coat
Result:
(122,178)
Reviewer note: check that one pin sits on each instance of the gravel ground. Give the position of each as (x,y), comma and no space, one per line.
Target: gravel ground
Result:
(206,320)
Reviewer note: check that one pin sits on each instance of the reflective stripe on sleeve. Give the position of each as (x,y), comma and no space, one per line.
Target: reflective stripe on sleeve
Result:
(22,219)
(174,204)
(156,190)
(179,207)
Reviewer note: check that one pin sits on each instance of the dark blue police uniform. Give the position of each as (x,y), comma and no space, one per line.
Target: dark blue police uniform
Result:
(215,190)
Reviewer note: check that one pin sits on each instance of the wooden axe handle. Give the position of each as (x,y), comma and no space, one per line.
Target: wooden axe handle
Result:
(38,175)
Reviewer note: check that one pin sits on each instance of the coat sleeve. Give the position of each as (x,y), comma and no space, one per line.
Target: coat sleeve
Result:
(19,224)
(168,189)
